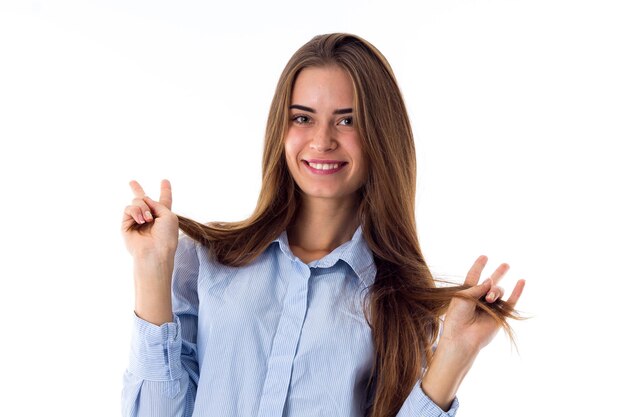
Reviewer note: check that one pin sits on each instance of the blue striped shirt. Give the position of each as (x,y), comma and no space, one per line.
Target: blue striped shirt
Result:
(274,338)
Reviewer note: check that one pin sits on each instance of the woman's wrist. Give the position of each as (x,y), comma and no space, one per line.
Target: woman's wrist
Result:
(153,290)
(451,362)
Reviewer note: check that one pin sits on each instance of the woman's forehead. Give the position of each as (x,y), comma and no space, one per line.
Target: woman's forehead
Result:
(323,86)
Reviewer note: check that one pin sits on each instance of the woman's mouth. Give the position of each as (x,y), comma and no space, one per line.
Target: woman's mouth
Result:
(324,167)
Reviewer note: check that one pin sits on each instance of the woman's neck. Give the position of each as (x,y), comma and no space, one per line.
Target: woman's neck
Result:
(321,225)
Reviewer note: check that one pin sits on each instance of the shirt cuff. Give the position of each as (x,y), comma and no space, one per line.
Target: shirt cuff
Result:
(155,350)
(420,404)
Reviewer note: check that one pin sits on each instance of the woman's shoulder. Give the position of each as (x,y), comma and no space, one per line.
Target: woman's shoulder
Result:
(192,251)
(185,244)
(193,264)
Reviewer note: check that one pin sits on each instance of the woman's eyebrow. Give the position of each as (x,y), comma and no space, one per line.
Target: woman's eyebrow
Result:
(310,110)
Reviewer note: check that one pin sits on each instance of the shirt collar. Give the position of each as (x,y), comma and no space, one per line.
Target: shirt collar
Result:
(354,252)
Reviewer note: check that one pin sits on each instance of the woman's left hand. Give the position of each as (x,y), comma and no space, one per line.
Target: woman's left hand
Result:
(466,330)
(467,327)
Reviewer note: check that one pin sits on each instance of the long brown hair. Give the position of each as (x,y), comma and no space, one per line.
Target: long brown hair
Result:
(404,305)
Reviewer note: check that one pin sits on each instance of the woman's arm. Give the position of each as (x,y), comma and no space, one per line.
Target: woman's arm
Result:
(466,331)
(445,374)
(153,288)
(162,375)
(150,231)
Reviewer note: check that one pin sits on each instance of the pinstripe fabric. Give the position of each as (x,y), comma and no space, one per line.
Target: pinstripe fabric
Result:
(275,338)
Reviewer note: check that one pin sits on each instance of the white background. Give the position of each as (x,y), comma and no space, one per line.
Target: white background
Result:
(518,109)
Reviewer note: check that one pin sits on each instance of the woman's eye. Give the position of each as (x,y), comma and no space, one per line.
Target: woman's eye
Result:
(300,119)
(346,121)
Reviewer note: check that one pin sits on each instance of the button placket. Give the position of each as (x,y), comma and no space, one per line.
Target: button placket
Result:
(280,362)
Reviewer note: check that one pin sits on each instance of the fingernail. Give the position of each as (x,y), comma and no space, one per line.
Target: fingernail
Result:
(141,221)
(491,296)
(148,215)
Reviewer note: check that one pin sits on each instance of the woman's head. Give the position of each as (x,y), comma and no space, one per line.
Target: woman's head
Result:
(380,120)
(322,144)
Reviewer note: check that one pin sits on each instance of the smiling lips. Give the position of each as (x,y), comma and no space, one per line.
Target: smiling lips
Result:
(324,167)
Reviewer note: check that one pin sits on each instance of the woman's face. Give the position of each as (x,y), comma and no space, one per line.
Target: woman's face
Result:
(322,145)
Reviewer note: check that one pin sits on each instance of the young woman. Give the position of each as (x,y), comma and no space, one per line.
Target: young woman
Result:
(320,303)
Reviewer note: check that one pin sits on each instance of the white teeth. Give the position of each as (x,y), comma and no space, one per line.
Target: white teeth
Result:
(324,166)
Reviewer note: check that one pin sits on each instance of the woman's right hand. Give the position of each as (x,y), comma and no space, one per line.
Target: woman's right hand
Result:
(149,227)
(150,232)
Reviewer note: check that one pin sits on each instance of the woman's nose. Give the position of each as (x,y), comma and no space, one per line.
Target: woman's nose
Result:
(323,140)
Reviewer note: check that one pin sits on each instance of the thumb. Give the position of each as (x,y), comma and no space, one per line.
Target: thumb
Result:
(156,208)
(479,291)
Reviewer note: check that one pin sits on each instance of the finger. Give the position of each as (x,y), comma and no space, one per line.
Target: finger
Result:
(166,194)
(517,292)
(474,273)
(494,294)
(137,189)
(499,273)
(479,291)
(144,209)
(127,222)
(157,208)
(141,203)
(134,214)
(138,211)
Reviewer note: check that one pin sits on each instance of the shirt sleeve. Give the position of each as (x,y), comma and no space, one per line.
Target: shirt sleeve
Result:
(162,374)
(418,404)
